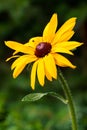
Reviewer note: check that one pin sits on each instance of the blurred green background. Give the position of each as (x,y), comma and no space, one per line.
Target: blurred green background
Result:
(19,21)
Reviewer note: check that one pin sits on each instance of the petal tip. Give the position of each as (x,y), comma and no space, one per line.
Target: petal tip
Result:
(55,77)
(7,60)
(74,18)
(81,43)
(55,14)
(73,67)
(42,84)
(33,87)
(14,76)
(5,42)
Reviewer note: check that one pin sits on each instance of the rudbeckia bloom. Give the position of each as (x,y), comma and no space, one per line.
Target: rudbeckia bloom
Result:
(45,51)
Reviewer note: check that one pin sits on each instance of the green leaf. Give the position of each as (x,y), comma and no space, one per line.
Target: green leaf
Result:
(33,97)
(36,96)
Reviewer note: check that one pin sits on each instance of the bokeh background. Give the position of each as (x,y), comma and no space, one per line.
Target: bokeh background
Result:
(19,21)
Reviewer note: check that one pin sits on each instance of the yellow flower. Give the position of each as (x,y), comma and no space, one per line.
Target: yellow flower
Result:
(45,51)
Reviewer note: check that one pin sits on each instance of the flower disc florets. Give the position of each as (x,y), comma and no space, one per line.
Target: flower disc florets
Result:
(42,49)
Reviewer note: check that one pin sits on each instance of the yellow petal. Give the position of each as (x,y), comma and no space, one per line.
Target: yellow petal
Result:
(19,68)
(19,47)
(62,61)
(70,45)
(33,42)
(41,72)
(66,36)
(50,65)
(50,29)
(27,59)
(33,74)
(48,75)
(67,26)
(20,64)
(15,52)
(12,57)
(61,50)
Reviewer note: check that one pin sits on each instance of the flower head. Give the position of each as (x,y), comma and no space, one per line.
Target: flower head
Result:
(45,51)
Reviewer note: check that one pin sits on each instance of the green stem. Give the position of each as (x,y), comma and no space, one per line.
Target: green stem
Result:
(69,98)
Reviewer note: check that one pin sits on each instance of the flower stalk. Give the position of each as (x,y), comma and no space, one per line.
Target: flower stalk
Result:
(68,95)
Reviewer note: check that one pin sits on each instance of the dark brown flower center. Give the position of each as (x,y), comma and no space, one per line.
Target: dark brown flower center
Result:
(42,49)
